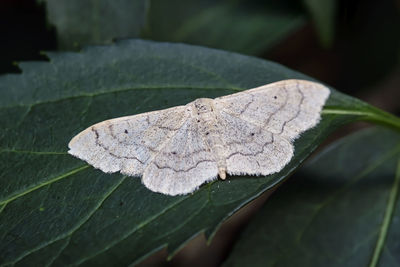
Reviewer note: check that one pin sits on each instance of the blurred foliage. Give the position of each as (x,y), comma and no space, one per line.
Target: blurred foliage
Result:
(361,39)
(95,22)
(323,14)
(249,27)
(243,26)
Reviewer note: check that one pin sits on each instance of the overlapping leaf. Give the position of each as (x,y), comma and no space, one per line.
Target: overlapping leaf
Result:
(342,209)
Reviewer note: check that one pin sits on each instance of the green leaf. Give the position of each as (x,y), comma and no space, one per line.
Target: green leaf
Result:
(81,23)
(323,14)
(341,209)
(241,26)
(56,210)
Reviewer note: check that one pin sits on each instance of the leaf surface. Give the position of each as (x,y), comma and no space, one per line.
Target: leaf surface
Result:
(55,210)
(341,209)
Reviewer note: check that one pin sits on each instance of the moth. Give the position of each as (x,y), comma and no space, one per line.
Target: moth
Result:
(176,150)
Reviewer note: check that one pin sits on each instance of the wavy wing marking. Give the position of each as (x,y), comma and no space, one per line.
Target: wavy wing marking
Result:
(261,124)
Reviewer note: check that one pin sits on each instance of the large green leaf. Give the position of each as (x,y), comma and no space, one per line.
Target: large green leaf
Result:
(342,209)
(56,210)
(95,22)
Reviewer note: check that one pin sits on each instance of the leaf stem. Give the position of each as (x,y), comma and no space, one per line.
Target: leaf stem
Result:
(387,218)
(371,114)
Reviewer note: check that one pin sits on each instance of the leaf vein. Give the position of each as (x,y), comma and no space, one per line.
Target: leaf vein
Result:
(58,253)
(137,228)
(77,227)
(36,187)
